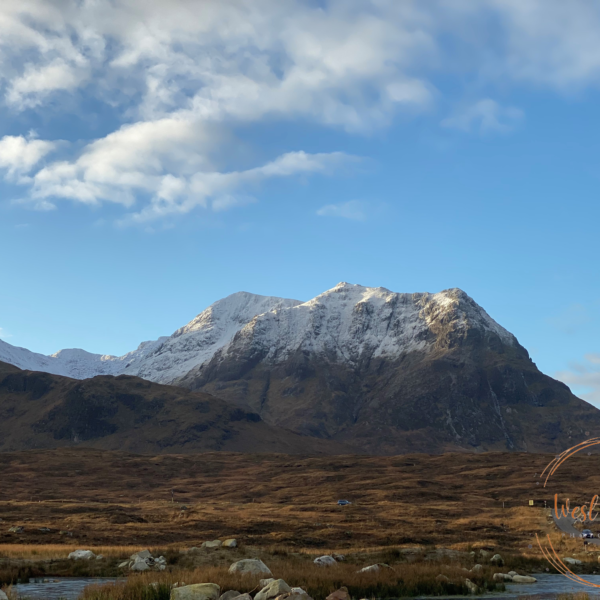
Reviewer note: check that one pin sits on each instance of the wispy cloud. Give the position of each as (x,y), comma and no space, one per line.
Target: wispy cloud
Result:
(4,334)
(485,116)
(181,86)
(353,210)
(585,378)
(572,319)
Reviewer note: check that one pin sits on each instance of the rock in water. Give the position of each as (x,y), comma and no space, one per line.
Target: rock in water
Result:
(252,566)
(273,589)
(82,555)
(198,591)
(502,577)
(523,579)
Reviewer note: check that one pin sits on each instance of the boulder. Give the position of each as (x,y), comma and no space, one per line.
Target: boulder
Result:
(82,555)
(325,561)
(212,545)
(512,573)
(497,560)
(502,577)
(523,579)
(140,565)
(197,591)
(3,596)
(143,555)
(299,590)
(476,569)
(244,597)
(471,586)
(275,588)
(338,557)
(571,561)
(484,553)
(341,594)
(265,582)
(442,578)
(252,566)
(99,557)
(231,543)
(230,595)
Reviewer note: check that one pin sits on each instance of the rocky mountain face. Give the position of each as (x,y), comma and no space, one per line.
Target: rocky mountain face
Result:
(393,373)
(40,410)
(376,370)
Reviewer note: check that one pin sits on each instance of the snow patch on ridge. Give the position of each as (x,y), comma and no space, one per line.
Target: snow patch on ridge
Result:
(349,323)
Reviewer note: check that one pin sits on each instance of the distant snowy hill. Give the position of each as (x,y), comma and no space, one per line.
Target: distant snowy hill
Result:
(163,360)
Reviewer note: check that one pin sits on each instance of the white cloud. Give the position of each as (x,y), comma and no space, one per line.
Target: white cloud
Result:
(584,378)
(485,116)
(182,75)
(19,155)
(29,90)
(353,210)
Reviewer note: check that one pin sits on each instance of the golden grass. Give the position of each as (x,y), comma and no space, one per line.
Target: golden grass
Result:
(58,551)
(319,582)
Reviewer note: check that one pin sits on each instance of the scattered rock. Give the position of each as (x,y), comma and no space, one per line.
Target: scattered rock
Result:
(571,561)
(273,589)
(230,595)
(99,557)
(374,568)
(471,586)
(497,560)
(338,557)
(231,543)
(476,569)
(67,533)
(197,591)
(325,561)
(82,555)
(17,529)
(442,578)
(265,582)
(139,565)
(253,566)
(484,553)
(512,573)
(502,577)
(124,564)
(341,594)
(44,530)
(472,553)
(143,555)
(212,545)
(523,579)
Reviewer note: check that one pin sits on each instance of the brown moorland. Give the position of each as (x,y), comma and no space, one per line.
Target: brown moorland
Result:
(99,498)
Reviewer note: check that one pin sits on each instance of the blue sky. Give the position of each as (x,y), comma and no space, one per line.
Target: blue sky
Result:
(157,156)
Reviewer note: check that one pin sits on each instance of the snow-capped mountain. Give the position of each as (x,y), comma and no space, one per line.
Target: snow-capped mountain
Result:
(163,360)
(382,371)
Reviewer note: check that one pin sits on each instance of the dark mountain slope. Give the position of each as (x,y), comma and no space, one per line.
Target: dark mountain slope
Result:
(39,410)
